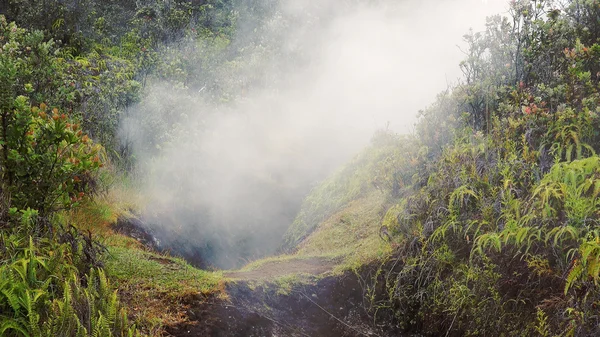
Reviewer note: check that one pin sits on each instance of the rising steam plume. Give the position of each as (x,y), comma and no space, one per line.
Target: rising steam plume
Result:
(308,86)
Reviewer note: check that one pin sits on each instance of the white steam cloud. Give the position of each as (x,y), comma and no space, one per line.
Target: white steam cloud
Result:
(225,180)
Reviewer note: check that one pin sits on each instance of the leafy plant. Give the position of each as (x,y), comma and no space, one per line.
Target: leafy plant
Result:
(47,162)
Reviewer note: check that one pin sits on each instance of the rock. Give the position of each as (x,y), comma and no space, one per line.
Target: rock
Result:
(137,229)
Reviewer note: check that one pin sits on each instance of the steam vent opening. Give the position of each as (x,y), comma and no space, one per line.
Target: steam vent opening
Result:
(227,235)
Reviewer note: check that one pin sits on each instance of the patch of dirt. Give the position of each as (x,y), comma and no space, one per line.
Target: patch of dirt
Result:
(221,319)
(333,306)
(274,269)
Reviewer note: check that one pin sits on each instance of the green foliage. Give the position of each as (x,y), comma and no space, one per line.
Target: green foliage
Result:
(94,87)
(46,161)
(48,282)
(587,267)
(499,231)
(31,284)
(80,23)
(542,327)
(92,310)
(570,190)
(374,169)
(496,197)
(24,290)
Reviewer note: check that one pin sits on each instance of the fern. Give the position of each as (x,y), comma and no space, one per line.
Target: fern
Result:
(542,327)
(588,266)
(574,274)
(102,326)
(461,197)
(99,311)
(558,234)
(8,324)
(30,299)
(9,296)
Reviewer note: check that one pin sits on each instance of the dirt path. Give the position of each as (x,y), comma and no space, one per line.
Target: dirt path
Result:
(332,305)
(274,269)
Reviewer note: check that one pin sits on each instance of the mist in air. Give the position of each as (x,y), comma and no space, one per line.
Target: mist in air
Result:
(294,96)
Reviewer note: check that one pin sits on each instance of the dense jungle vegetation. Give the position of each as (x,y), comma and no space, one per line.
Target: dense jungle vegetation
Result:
(491,208)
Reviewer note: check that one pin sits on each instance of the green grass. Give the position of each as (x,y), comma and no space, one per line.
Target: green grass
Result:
(158,289)
(349,238)
(369,171)
(351,235)
(155,288)
(285,284)
(280,258)
(341,219)
(173,276)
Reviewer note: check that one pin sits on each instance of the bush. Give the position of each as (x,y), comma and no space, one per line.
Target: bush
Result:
(500,234)
(46,160)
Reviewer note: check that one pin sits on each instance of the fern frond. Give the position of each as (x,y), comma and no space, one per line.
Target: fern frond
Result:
(8,324)
(574,274)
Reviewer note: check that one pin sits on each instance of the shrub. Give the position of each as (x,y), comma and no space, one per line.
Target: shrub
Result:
(47,162)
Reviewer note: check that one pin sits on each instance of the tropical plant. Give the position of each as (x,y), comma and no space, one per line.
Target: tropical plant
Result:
(47,162)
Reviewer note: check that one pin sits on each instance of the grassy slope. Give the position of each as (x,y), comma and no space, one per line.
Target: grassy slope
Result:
(351,234)
(341,218)
(156,288)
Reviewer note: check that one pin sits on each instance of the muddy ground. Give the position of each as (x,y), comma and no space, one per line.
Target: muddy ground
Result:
(331,306)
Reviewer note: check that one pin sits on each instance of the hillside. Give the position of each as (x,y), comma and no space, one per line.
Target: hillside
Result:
(483,221)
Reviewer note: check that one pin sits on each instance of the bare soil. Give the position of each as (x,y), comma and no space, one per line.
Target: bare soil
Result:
(330,307)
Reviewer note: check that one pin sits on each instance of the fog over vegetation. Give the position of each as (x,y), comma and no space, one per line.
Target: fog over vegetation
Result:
(308,86)
(362,167)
